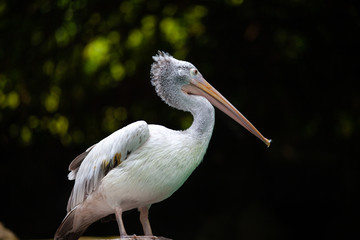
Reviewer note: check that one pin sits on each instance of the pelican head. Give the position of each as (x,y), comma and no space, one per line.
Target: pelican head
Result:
(176,80)
(168,76)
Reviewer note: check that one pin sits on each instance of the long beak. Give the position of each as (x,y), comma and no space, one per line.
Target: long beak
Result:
(201,87)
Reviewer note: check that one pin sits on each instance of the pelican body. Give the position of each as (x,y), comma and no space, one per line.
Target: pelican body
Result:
(142,164)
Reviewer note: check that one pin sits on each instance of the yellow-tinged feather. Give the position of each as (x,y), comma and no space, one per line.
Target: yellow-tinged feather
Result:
(104,164)
(117,159)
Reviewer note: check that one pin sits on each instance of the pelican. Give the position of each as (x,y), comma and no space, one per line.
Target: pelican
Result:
(142,164)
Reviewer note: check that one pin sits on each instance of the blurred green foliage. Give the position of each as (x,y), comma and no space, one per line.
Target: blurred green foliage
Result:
(74,71)
(70,47)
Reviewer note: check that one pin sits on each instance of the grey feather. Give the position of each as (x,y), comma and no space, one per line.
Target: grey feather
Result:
(75,164)
(66,229)
(168,75)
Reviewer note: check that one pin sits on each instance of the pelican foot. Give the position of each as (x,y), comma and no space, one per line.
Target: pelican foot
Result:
(134,237)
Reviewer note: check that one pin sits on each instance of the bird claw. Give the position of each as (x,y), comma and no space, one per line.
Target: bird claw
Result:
(134,237)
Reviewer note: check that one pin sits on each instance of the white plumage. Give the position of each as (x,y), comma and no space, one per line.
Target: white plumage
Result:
(93,168)
(155,170)
(142,164)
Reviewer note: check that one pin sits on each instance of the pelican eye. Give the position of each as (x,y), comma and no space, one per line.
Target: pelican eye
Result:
(194,71)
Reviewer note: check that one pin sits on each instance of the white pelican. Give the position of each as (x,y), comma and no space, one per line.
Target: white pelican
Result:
(142,163)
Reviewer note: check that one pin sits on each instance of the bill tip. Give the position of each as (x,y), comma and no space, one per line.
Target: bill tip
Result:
(268,142)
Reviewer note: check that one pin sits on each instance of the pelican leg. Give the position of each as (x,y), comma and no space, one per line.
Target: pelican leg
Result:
(144,219)
(118,214)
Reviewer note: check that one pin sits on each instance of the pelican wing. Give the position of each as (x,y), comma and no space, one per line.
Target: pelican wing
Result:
(75,164)
(90,167)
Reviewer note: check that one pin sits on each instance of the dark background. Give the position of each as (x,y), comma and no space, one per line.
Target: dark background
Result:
(72,72)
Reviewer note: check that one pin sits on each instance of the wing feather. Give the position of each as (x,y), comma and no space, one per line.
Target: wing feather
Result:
(75,164)
(92,166)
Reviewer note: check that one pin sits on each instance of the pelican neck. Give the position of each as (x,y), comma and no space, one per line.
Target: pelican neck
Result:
(204,117)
